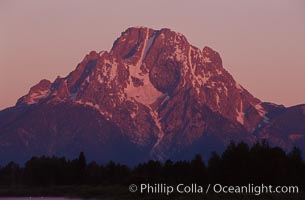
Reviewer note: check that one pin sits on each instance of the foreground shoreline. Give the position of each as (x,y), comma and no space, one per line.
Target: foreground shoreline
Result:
(121,192)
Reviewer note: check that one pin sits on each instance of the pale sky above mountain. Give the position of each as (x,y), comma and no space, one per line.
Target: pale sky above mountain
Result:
(262,42)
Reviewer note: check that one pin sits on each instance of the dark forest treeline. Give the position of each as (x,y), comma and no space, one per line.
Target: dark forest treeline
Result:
(238,164)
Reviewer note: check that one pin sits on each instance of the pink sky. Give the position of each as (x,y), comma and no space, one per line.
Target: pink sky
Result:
(262,42)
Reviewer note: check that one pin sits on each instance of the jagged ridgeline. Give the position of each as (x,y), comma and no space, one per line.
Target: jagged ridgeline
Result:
(152,96)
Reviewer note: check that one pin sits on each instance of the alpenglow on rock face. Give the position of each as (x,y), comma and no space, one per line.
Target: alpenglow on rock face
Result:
(153,96)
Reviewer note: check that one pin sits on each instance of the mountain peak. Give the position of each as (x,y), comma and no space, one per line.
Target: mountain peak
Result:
(147,66)
(133,38)
(155,87)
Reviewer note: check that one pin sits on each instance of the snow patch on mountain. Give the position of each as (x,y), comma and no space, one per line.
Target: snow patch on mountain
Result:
(104,113)
(113,70)
(238,86)
(197,80)
(36,96)
(206,60)
(146,94)
(133,114)
(261,111)
(148,45)
(156,119)
(166,98)
(266,119)
(240,114)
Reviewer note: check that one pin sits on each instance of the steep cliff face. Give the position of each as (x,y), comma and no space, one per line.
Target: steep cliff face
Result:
(153,93)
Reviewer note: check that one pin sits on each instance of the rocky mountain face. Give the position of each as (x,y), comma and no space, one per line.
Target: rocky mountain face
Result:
(152,96)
